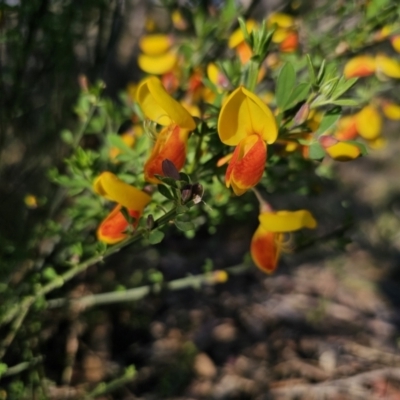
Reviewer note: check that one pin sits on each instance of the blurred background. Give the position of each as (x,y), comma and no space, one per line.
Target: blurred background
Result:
(325,325)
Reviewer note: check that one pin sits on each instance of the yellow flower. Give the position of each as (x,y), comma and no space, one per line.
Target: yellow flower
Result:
(268,239)
(159,106)
(246,122)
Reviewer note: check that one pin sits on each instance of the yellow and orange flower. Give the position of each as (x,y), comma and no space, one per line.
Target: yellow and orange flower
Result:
(112,229)
(269,238)
(158,106)
(285,35)
(247,123)
(366,65)
(237,42)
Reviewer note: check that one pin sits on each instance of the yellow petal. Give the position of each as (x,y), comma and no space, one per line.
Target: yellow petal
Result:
(157,65)
(155,45)
(244,114)
(281,20)
(280,35)
(160,107)
(343,151)
(287,221)
(388,66)
(368,123)
(359,66)
(395,40)
(112,188)
(237,36)
(378,143)
(391,110)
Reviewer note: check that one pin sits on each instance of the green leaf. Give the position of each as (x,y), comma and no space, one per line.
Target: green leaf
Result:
(345,102)
(343,86)
(321,72)
(184,225)
(299,94)
(156,236)
(165,192)
(311,70)
(316,151)
(375,7)
(116,141)
(329,120)
(3,369)
(284,84)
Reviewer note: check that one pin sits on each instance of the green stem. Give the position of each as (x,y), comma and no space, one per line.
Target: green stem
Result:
(197,155)
(252,75)
(138,293)
(104,388)
(20,310)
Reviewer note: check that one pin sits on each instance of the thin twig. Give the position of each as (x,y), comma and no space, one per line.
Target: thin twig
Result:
(138,293)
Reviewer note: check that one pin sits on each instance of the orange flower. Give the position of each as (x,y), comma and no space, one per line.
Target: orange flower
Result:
(112,228)
(268,240)
(246,122)
(237,42)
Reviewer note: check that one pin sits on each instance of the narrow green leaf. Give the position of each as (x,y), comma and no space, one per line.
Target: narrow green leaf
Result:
(343,86)
(311,70)
(116,141)
(345,102)
(284,84)
(299,94)
(165,192)
(329,120)
(156,236)
(316,151)
(321,72)
(184,226)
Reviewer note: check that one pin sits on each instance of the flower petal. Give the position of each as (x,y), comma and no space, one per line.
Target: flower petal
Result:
(160,107)
(156,44)
(290,43)
(343,151)
(369,123)
(244,114)
(388,66)
(112,188)
(237,36)
(265,249)
(111,230)
(157,65)
(391,110)
(247,164)
(281,20)
(287,221)
(359,66)
(171,144)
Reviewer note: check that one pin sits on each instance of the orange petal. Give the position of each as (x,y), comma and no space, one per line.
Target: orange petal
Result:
(265,249)
(112,228)
(346,128)
(244,52)
(247,164)
(359,66)
(290,43)
(171,145)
